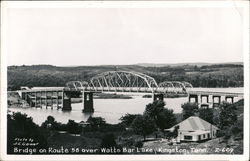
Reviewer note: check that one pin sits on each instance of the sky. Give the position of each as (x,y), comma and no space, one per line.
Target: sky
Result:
(117,36)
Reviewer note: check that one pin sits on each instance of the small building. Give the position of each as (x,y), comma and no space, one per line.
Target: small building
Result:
(194,129)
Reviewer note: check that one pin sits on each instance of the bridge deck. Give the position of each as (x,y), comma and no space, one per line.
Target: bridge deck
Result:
(217,91)
(136,90)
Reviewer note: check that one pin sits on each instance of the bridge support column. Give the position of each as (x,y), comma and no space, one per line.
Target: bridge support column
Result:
(229,97)
(46,101)
(205,104)
(66,101)
(41,103)
(193,96)
(206,96)
(27,98)
(32,103)
(216,103)
(31,99)
(35,99)
(57,100)
(158,96)
(87,102)
(24,96)
(38,99)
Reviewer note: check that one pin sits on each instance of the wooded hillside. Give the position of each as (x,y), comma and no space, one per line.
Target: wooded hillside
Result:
(217,75)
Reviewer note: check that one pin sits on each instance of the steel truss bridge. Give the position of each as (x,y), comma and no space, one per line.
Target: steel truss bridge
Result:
(127,81)
(117,81)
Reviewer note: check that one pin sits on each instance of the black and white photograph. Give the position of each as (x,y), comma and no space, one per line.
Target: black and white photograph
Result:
(133,80)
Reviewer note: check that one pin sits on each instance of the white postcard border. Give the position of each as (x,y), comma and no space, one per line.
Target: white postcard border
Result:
(121,4)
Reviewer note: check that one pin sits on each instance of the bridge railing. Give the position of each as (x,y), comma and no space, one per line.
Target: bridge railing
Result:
(128,89)
(235,94)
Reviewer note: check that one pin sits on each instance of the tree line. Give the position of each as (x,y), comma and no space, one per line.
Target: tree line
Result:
(227,117)
(155,118)
(228,75)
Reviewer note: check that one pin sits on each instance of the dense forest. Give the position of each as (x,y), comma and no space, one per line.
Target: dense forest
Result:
(214,75)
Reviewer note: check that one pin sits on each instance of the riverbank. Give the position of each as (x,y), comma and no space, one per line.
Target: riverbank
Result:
(95,133)
(168,95)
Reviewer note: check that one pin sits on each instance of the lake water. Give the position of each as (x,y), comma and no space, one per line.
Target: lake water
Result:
(111,109)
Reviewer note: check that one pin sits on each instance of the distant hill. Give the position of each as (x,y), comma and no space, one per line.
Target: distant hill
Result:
(198,74)
(199,64)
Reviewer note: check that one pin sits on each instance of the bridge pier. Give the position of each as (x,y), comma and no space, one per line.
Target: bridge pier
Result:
(205,105)
(29,100)
(216,104)
(66,101)
(229,97)
(40,99)
(191,96)
(158,96)
(35,100)
(213,99)
(32,103)
(206,96)
(217,99)
(46,100)
(88,103)
(57,100)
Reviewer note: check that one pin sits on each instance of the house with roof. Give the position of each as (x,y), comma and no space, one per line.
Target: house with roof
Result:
(194,129)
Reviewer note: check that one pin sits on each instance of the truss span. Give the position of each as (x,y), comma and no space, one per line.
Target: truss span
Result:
(123,81)
(175,86)
(77,85)
(127,81)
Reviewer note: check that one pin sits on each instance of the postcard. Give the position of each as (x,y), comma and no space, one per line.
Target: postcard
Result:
(124,80)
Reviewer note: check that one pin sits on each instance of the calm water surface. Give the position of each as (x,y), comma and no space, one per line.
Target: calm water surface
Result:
(110,109)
